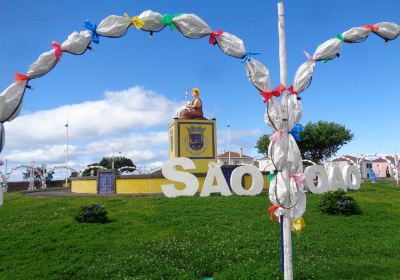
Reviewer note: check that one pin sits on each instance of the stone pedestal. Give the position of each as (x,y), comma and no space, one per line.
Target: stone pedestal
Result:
(194,139)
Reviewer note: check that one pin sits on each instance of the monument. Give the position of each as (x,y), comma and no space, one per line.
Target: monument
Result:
(192,136)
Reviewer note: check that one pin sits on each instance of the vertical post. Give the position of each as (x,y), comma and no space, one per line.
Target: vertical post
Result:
(31,183)
(66,159)
(229,148)
(112,162)
(287,222)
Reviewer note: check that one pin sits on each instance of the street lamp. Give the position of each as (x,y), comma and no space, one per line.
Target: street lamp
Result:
(113,157)
(229,148)
(66,160)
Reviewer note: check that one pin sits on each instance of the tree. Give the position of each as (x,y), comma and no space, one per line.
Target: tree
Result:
(118,162)
(37,175)
(262,145)
(320,140)
(106,162)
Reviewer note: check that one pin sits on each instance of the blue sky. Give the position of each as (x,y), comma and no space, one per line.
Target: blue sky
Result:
(359,89)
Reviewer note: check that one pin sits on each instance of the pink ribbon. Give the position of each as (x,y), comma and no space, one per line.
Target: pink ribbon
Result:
(299,178)
(309,57)
(276,135)
(57,49)
(214,34)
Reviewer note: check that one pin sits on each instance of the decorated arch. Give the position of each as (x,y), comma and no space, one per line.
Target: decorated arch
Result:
(286,188)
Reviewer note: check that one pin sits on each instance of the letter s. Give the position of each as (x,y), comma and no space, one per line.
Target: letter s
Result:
(169,172)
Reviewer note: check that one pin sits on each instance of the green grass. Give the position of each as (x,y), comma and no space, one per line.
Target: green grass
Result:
(190,238)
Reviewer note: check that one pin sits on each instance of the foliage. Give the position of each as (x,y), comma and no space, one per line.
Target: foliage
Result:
(37,175)
(93,213)
(191,237)
(119,161)
(262,145)
(88,172)
(107,162)
(338,203)
(321,140)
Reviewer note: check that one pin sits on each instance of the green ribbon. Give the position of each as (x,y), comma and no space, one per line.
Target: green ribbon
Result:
(167,20)
(272,175)
(340,37)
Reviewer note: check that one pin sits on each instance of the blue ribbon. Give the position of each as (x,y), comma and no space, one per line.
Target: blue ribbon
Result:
(92,27)
(248,56)
(297,129)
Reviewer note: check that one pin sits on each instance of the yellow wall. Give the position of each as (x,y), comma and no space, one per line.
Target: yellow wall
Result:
(141,185)
(84,186)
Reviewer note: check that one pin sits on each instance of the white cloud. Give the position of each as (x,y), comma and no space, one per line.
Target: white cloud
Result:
(119,112)
(97,128)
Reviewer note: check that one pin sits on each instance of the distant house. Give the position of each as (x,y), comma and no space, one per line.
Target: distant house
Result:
(233,158)
(265,164)
(364,164)
(384,167)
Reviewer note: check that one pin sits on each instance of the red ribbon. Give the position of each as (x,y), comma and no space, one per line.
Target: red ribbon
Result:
(292,91)
(57,49)
(217,33)
(267,95)
(20,77)
(371,27)
(271,211)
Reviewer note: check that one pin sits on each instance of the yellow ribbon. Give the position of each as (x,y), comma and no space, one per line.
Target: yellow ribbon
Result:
(298,225)
(138,23)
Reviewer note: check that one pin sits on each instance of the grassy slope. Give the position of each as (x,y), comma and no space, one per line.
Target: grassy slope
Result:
(189,238)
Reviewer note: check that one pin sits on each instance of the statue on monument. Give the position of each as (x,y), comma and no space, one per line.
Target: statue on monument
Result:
(193,109)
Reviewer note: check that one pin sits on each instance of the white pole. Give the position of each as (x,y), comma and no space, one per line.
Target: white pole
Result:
(287,222)
(66,160)
(229,148)
(112,162)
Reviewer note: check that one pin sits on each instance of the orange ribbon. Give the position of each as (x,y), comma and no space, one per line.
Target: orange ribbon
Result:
(271,211)
(20,77)
(371,27)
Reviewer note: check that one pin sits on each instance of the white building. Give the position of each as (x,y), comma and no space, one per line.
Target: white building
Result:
(364,165)
(233,158)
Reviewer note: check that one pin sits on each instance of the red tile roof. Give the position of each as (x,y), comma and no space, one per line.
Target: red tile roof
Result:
(233,155)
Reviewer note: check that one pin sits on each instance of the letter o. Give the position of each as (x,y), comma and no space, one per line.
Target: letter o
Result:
(352,177)
(257,181)
(319,171)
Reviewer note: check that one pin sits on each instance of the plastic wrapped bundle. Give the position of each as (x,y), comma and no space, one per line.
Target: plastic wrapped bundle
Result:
(44,64)
(303,77)
(231,45)
(77,43)
(295,110)
(276,153)
(11,101)
(152,21)
(328,50)
(113,26)
(2,137)
(278,196)
(273,115)
(258,75)
(191,26)
(387,30)
(356,34)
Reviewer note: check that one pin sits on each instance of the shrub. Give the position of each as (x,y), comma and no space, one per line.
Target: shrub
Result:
(339,203)
(93,213)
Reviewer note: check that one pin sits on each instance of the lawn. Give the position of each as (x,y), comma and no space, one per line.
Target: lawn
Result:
(193,237)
